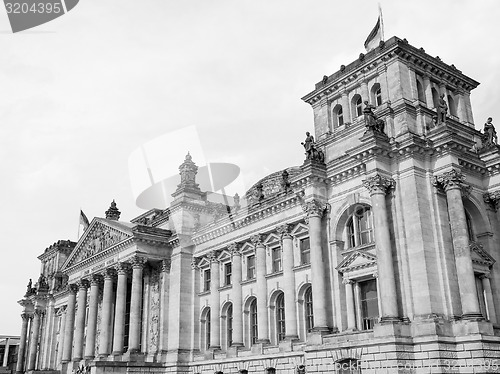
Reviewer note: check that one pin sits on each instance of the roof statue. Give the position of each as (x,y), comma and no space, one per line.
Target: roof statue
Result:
(312,152)
(113,213)
(442,109)
(489,138)
(372,122)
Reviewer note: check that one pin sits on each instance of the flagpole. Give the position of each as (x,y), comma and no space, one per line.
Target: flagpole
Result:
(381,21)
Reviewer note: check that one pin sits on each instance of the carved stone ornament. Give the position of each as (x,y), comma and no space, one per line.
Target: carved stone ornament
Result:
(234,248)
(166,265)
(72,288)
(113,213)
(100,238)
(379,184)
(453,179)
(188,171)
(122,267)
(284,231)
(314,208)
(137,262)
(195,263)
(212,256)
(492,199)
(347,281)
(257,240)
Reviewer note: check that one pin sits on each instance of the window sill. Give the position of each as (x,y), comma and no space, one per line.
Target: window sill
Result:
(272,275)
(248,281)
(302,267)
(226,287)
(204,293)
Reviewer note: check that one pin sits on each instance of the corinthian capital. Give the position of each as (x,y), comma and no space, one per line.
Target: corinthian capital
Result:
(137,262)
(450,179)
(284,231)
(492,199)
(379,184)
(212,256)
(257,240)
(314,208)
(234,248)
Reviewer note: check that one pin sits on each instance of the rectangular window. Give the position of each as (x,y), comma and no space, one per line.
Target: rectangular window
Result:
(305,251)
(227,273)
(206,280)
(369,304)
(276,256)
(480,296)
(251,267)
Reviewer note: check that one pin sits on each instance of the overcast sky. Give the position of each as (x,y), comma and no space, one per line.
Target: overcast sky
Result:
(80,94)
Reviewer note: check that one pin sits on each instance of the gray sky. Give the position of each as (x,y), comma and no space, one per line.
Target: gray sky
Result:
(81,93)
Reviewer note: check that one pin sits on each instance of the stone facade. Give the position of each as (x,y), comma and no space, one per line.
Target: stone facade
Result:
(378,254)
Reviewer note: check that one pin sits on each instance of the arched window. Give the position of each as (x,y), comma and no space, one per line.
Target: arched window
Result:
(376,94)
(358,105)
(207,329)
(308,309)
(270,371)
(435,97)
(451,106)
(348,366)
(253,322)
(420,92)
(280,317)
(229,325)
(360,227)
(338,115)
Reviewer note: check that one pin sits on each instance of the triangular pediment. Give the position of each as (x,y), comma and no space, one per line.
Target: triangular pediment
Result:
(479,255)
(101,235)
(357,260)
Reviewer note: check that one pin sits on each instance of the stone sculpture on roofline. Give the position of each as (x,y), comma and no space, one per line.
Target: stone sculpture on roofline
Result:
(489,138)
(312,152)
(372,122)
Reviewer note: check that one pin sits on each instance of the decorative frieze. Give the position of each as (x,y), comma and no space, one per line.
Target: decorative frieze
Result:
(379,184)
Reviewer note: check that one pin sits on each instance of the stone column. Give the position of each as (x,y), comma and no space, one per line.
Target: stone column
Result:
(107,304)
(428,91)
(346,107)
(378,187)
(92,319)
(315,210)
(70,324)
(261,285)
(164,297)
(453,184)
(6,353)
(135,305)
(22,342)
(121,300)
(61,336)
(35,335)
(214,301)
(237,295)
(488,296)
(349,302)
(365,95)
(288,283)
(80,321)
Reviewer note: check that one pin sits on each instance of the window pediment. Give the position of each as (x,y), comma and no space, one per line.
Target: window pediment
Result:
(479,255)
(357,260)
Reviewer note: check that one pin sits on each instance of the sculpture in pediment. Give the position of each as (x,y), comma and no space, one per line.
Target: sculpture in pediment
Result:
(100,238)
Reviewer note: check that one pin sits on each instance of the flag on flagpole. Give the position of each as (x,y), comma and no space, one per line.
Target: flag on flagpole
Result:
(375,36)
(84,220)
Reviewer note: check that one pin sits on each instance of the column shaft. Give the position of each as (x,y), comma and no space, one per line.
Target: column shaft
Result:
(37,315)
(60,339)
(385,264)
(261,284)
(237,297)
(463,261)
(488,296)
(106,329)
(22,343)
(92,319)
(317,273)
(121,300)
(80,322)
(6,353)
(349,301)
(346,108)
(70,325)
(289,288)
(135,307)
(214,304)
